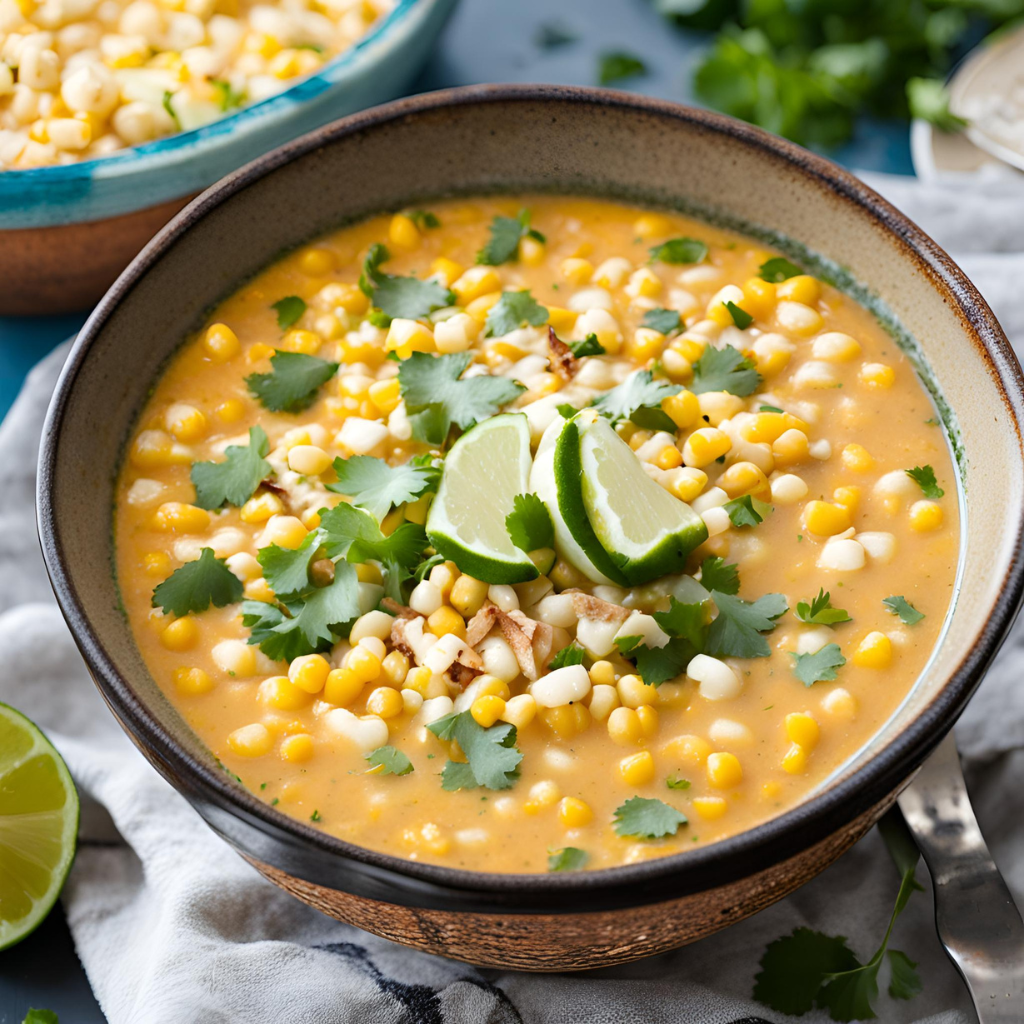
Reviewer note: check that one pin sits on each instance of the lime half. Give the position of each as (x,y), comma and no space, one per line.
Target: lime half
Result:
(38,826)
(484,471)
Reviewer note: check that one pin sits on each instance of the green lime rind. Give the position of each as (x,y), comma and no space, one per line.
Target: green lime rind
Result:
(39,813)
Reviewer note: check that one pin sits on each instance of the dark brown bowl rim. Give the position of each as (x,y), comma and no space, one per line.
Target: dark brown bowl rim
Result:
(649,881)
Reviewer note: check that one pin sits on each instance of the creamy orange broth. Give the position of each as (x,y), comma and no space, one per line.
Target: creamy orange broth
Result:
(867,415)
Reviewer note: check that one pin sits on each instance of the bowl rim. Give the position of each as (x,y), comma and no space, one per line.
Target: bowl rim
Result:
(652,881)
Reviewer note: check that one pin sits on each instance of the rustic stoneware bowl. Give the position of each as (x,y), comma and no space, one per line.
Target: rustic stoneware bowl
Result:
(494,139)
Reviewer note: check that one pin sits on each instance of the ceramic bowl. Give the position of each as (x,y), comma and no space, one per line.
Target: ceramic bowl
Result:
(548,139)
(66,232)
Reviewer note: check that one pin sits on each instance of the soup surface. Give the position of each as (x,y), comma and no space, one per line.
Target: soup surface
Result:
(557,639)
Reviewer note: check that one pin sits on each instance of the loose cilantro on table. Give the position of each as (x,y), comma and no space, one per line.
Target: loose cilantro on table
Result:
(512,311)
(289,311)
(900,606)
(435,397)
(747,511)
(675,782)
(35,1016)
(715,574)
(664,321)
(924,477)
(408,298)
(645,818)
(589,346)
(529,523)
(570,655)
(638,398)
(616,65)
(569,858)
(778,269)
(233,481)
(724,369)
(377,486)
(492,758)
(197,584)
(506,234)
(740,317)
(820,611)
(293,382)
(389,760)
(818,667)
(680,250)
(736,631)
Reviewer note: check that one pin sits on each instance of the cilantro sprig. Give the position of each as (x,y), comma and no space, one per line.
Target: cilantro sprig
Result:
(289,311)
(293,382)
(924,477)
(492,757)
(197,584)
(819,666)
(737,630)
(680,250)
(716,574)
(396,297)
(388,761)
(529,523)
(512,311)
(638,398)
(724,369)
(378,487)
(819,612)
(644,818)
(506,234)
(900,606)
(233,481)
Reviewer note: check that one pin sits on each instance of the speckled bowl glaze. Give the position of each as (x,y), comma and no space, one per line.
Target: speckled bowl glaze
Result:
(66,232)
(495,139)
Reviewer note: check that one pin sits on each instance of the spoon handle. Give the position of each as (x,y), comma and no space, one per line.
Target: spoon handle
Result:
(977,920)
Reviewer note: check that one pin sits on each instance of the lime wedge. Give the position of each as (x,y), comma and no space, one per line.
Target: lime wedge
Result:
(38,826)
(645,530)
(484,471)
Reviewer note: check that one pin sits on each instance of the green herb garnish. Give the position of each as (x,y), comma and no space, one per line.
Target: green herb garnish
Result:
(197,584)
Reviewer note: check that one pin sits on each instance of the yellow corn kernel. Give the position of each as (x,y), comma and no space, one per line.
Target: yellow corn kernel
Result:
(475,282)
(260,508)
(705,445)
(468,595)
(181,635)
(925,516)
(874,651)
(408,336)
(315,262)
(651,225)
(156,563)
(574,813)
(710,808)
(877,375)
(403,231)
(230,411)
(492,686)
(771,790)
(281,693)
(447,270)
(624,727)
(790,448)
(546,384)
(802,288)
(689,748)
(154,449)
(351,298)
(531,252)
(342,687)
(258,352)
(848,497)
(568,721)
(577,271)
(180,517)
(308,460)
(759,298)
(385,395)
(639,438)
(385,701)
(648,719)
(284,531)
(770,426)
(857,458)
(309,672)
(446,620)
(724,770)
(602,673)
(670,457)
(487,710)
(363,664)
(480,307)
(826,519)
(259,590)
(562,319)
(192,681)
(221,343)
(678,369)
(251,740)
(802,728)
(297,748)
(637,769)
(644,283)
(690,346)
(644,345)
(687,483)
(185,422)
(367,572)
(306,342)
(744,478)
(770,360)
(394,668)
(794,760)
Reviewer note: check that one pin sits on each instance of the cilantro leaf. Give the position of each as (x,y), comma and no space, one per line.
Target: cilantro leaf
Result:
(848,995)
(680,250)
(168,105)
(424,219)
(657,665)
(924,477)
(647,819)
(396,297)
(715,574)
(390,760)
(820,611)
(818,667)
(512,311)
(566,411)
(569,858)
(900,606)
(492,758)
(353,534)
(289,310)
(675,782)
(740,317)
(928,99)
(664,321)
(904,981)
(589,346)
(228,97)
(616,65)
(286,569)
(793,967)
(40,1017)
(626,644)
(570,655)
(529,523)
(736,632)
(686,621)
(506,234)
(197,584)
(375,485)
(724,369)
(747,511)
(778,269)
(435,397)
(638,398)
(292,384)
(233,481)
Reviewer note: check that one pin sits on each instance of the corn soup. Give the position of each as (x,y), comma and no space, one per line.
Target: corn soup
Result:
(536,534)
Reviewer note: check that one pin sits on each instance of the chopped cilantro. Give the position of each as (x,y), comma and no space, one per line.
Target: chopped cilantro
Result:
(657,665)
(736,632)
(664,321)
(820,611)
(924,477)
(818,667)
(233,481)
(740,317)
(724,369)
(506,234)
(289,311)
(529,523)
(647,819)
(389,760)
(197,584)
(512,311)
(228,97)
(900,606)
(565,410)
(747,511)
(685,621)
(275,801)
(715,574)
(616,65)
(589,346)
(168,105)
(569,858)
(399,297)
(778,269)
(638,398)
(292,384)
(375,485)
(492,758)
(570,655)
(770,408)
(315,816)
(680,250)
(675,782)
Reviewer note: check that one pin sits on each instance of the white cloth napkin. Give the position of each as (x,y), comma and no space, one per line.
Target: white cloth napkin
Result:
(174,928)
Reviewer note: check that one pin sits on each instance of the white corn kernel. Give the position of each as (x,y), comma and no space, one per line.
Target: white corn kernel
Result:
(562,686)
(717,680)
(788,489)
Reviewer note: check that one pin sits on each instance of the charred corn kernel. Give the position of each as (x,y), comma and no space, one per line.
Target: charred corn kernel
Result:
(181,635)
(180,517)
(363,664)
(251,740)
(705,445)
(562,319)
(770,426)
(408,336)
(342,687)
(925,516)
(794,760)
(848,497)
(651,225)
(154,449)
(759,298)
(394,668)
(446,620)
(403,231)
(688,748)
(624,727)
(385,702)
(385,395)
(259,590)
(487,710)
(744,478)
(258,352)
(192,681)
(281,693)
(260,508)
(468,595)
(857,458)
(644,345)
(670,457)
(185,422)
(874,651)
(648,718)
(710,808)
(297,748)
(447,270)
(637,769)
(724,770)
(803,729)
(475,282)
(574,813)
(802,288)
(156,563)
(221,343)
(316,262)
(567,721)
(531,251)
(826,519)
(791,447)
(577,271)
(306,342)
(309,672)
(877,375)
(308,459)
(230,411)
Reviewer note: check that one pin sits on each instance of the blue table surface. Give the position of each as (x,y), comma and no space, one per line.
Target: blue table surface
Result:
(483,42)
